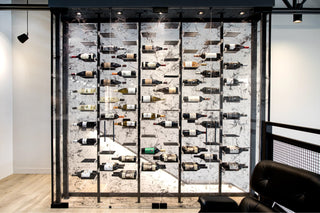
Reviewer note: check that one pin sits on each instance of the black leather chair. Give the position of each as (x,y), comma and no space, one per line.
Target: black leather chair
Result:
(296,189)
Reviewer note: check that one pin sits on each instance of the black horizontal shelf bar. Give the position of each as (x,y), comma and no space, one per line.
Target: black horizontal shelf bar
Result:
(93,194)
(24,7)
(299,128)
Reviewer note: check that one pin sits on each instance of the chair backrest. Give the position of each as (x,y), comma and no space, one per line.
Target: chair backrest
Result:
(296,189)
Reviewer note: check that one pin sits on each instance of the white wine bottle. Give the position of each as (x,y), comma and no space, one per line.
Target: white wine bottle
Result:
(110,99)
(85,74)
(110,166)
(85,124)
(194,99)
(151,116)
(86,174)
(127,91)
(151,65)
(193,149)
(86,107)
(126,107)
(88,57)
(168,90)
(86,91)
(151,99)
(86,141)
(126,74)
(192,64)
(129,124)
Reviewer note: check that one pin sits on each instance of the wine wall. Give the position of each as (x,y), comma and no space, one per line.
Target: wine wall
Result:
(180,42)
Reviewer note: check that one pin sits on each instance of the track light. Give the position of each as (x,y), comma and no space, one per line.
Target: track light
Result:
(297,18)
(119,13)
(24,37)
(200,12)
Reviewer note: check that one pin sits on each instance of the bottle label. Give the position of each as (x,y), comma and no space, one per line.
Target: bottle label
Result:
(106,82)
(107,65)
(191,167)
(148,81)
(87,107)
(192,132)
(208,156)
(84,124)
(109,116)
(194,98)
(131,123)
(192,116)
(168,123)
(233,150)
(146,99)
(89,74)
(127,158)
(149,150)
(126,73)
(188,64)
(131,90)
(85,174)
(169,157)
(130,56)
(211,55)
(132,107)
(85,56)
(233,166)
(151,64)
(128,175)
(108,167)
(146,115)
(148,47)
(232,46)
(84,141)
(172,90)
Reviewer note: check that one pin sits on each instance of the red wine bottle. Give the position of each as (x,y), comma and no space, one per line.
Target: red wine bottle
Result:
(191,166)
(193,149)
(209,56)
(88,57)
(232,82)
(209,73)
(233,149)
(126,74)
(233,115)
(208,124)
(232,166)
(111,116)
(86,174)
(207,157)
(86,141)
(110,49)
(166,157)
(126,158)
(192,82)
(151,82)
(233,66)
(167,124)
(151,48)
(127,57)
(125,174)
(85,74)
(210,90)
(235,99)
(234,47)
(151,65)
(110,82)
(151,150)
(193,116)
(152,166)
(85,124)
(110,65)
(110,166)
(192,133)
(168,90)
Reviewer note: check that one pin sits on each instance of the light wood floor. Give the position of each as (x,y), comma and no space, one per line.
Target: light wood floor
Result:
(32,193)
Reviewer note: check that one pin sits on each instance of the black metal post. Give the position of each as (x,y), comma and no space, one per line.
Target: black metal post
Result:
(269,66)
(52,114)
(98,110)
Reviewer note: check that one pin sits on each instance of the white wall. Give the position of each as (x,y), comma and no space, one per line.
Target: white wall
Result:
(295,77)
(31,93)
(6,165)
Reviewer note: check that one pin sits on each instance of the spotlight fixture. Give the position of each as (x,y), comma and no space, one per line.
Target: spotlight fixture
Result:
(200,12)
(119,13)
(297,18)
(24,37)
(242,13)
(78,14)
(160,10)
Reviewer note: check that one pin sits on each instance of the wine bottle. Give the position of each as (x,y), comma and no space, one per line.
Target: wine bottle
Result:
(126,73)
(127,91)
(192,64)
(233,115)
(232,166)
(129,124)
(110,65)
(209,56)
(126,107)
(88,57)
(234,47)
(85,74)
(193,149)
(110,49)
(190,166)
(151,116)
(86,107)
(127,57)
(151,150)
(110,116)
(192,133)
(86,141)
(86,91)
(208,124)
(194,98)
(150,99)
(192,82)
(85,124)
(151,82)
(233,149)
(152,166)
(110,166)
(86,174)
(125,174)
(126,158)
(166,157)
(232,66)
(110,82)
(151,65)
(207,157)
(167,124)
(110,99)
(168,90)
(151,48)
(232,82)
(210,90)
(235,99)
(209,73)
(193,116)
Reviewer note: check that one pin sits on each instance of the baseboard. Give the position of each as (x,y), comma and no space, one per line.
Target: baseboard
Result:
(31,171)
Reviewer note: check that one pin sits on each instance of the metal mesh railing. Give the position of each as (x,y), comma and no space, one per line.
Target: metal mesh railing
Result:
(296,156)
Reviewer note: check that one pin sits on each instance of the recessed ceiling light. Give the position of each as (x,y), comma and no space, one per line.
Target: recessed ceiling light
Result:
(119,12)
(242,13)
(78,14)
(297,18)
(160,13)
(200,13)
